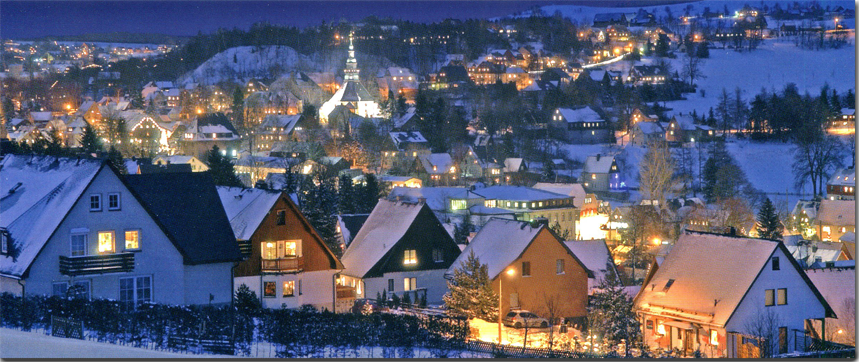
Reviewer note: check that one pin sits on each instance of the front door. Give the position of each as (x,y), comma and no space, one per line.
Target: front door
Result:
(687,341)
(782,340)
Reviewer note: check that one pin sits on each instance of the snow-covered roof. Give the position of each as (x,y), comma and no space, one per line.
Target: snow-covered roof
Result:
(808,254)
(407,137)
(437,198)
(399,121)
(286,122)
(177,159)
(246,208)
(837,212)
(649,127)
(838,287)
(598,164)
(385,226)
(577,191)
(499,243)
(686,123)
(848,111)
(350,224)
(692,266)
(594,254)
(37,193)
(849,237)
(512,164)
(584,114)
(436,163)
(843,177)
(516,193)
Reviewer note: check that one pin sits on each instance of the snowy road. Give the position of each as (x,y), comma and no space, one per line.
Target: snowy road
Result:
(18,344)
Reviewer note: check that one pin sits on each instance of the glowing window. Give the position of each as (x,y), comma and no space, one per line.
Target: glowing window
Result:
(132,239)
(105,241)
(410,257)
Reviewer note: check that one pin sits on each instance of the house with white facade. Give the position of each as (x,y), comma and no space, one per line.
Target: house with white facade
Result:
(401,248)
(76,223)
(729,297)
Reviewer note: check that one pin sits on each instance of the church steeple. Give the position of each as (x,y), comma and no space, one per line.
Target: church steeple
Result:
(351,71)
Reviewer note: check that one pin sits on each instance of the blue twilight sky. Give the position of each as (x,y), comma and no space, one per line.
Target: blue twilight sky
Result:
(27,19)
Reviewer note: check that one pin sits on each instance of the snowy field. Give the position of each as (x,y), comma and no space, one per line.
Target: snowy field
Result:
(18,344)
(773,65)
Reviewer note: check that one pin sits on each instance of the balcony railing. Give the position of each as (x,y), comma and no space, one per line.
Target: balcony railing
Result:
(245,248)
(97,264)
(346,292)
(294,264)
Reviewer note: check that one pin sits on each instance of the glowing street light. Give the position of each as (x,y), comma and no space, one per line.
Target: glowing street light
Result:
(509,272)
(657,241)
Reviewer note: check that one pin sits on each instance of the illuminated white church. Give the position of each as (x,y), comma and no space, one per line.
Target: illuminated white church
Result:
(352,94)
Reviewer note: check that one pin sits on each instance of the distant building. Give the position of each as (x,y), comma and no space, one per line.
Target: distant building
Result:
(842,185)
(601,174)
(581,125)
(352,94)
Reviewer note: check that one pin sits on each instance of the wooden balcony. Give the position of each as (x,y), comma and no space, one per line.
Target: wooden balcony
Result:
(245,248)
(283,265)
(346,292)
(97,264)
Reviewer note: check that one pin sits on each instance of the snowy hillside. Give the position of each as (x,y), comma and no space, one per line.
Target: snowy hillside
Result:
(771,66)
(243,63)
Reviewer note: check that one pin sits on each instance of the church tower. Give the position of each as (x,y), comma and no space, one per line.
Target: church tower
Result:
(351,71)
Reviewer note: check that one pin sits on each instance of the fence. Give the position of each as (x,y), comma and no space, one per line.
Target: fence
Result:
(522,352)
(259,333)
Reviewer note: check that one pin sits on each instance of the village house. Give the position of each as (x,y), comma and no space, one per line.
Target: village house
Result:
(683,129)
(758,306)
(208,131)
(643,133)
(276,128)
(601,174)
(436,169)
(136,240)
(837,284)
(401,150)
(287,264)
(529,266)
(645,74)
(401,248)
(400,82)
(835,218)
(581,125)
(844,123)
(842,185)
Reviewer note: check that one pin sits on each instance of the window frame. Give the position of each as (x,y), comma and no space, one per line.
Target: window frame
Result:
(112,240)
(136,289)
(4,243)
(410,257)
(286,283)
(778,296)
(72,243)
(88,287)
(100,206)
(265,289)
(280,217)
(526,269)
(125,239)
(54,286)
(390,285)
(410,284)
(438,255)
(560,267)
(118,201)
(769,297)
(776,265)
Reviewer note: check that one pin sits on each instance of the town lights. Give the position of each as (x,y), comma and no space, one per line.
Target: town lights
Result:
(657,241)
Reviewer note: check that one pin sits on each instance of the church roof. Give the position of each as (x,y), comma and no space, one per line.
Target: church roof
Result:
(354,92)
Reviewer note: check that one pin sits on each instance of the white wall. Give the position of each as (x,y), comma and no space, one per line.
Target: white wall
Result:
(317,289)
(205,279)
(801,304)
(433,280)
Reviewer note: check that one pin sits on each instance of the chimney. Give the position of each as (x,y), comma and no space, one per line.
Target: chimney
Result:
(598,156)
(422,200)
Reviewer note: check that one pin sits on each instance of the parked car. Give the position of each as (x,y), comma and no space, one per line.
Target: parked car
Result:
(366,306)
(522,318)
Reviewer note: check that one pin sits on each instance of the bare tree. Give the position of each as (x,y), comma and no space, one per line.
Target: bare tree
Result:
(692,68)
(551,309)
(815,158)
(656,171)
(763,328)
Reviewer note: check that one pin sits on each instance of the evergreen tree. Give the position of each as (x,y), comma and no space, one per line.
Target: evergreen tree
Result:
(115,159)
(662,46)
(247,301)
(90,141)
(471,291)
(346,200)
(137,100)
(611,313)
(768,224)
(463,230)
(221,169)
(849,100)
(8,108)
(703,51)
(368,194)
(55,145)
(319,206)
(548,170)
(238,108)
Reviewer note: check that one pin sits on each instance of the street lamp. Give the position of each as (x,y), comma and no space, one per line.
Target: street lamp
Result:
(509,272)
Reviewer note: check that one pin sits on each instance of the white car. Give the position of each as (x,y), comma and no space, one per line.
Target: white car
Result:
(522,318)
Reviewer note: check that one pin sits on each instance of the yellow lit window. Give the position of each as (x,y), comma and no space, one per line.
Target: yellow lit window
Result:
(410,257)
(105,241)
(289,288)
(132,239)
(714,338)
(593,176)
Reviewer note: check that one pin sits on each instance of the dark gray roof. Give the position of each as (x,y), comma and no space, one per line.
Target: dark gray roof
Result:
(173,167)
(355,92)
(187,207)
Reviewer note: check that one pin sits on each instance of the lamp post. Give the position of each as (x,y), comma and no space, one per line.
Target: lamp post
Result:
(500,298)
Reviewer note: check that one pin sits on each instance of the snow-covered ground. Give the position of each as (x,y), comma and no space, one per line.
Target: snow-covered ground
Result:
(773,65)
(18,344)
